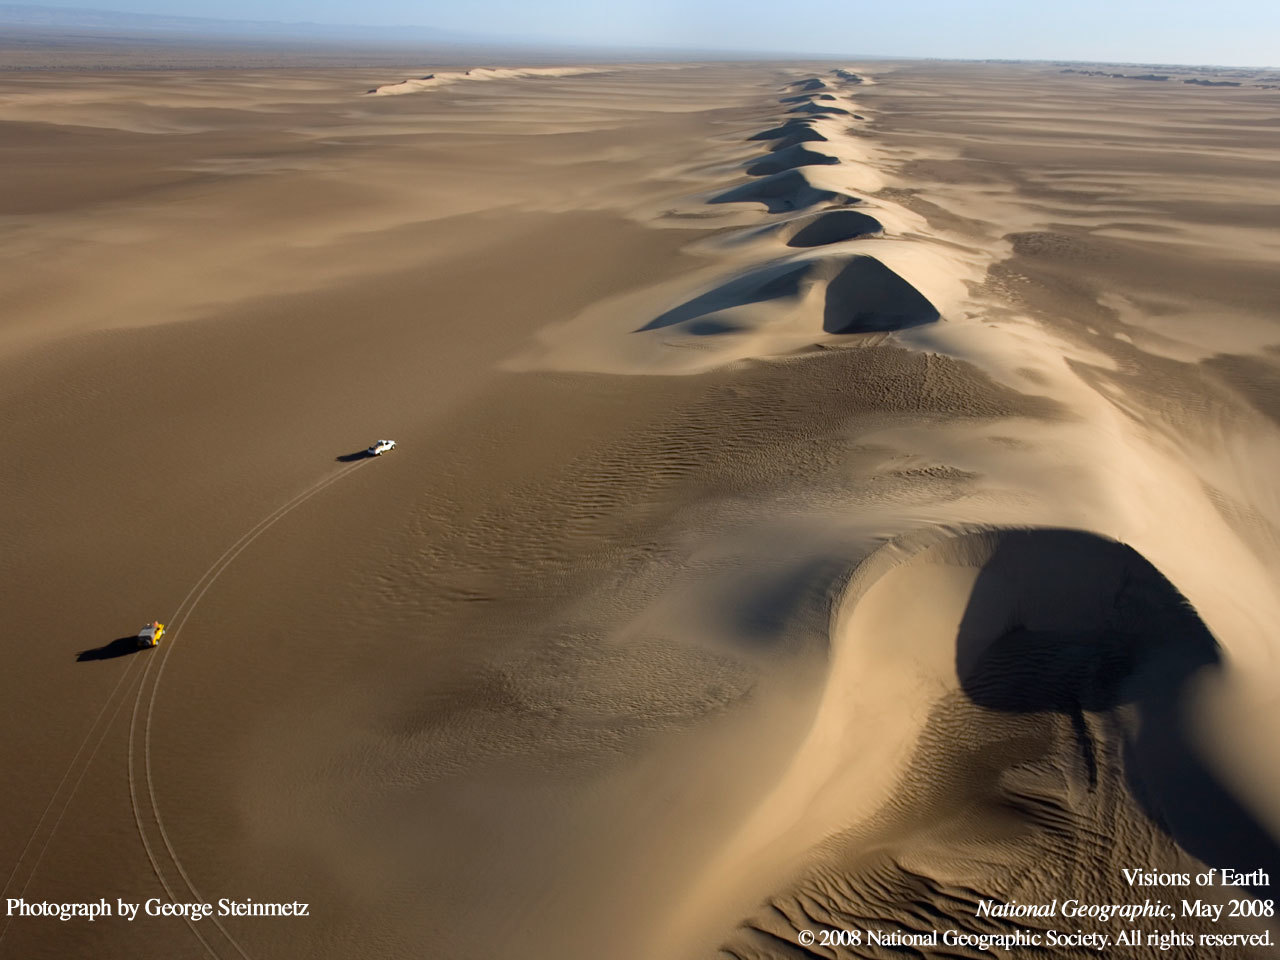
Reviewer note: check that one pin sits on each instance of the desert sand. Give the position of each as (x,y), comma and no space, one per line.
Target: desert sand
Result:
(827,496)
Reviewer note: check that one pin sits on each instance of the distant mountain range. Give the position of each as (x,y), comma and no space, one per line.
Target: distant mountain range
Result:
(59,19)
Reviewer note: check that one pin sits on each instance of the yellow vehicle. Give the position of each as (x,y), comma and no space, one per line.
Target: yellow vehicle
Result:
(149,636)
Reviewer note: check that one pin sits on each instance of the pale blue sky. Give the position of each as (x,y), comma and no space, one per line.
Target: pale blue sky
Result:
(1234,32)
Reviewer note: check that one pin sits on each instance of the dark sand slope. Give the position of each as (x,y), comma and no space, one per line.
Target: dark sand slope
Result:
(789,190)
(770,283)
(820,229)
(819,110)
(793,131)
(836,226)
(807,98)
(865,296)
(860,295)
(787,158)
(798,135)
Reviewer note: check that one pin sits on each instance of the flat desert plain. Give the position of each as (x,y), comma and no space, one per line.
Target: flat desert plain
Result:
(827,497)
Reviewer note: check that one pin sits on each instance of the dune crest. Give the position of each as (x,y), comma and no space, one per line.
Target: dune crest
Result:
(782,192)
(833,226)
(796,155)
(795,127)
(859,295)
(771,304)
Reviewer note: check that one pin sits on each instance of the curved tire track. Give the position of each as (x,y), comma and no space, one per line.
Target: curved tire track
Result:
(179,619)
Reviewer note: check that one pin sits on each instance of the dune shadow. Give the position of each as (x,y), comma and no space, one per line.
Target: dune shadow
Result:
(1069,622)
(862,296)
(120,647)
(813,108)
(836,226)
(789,158)
(806,98)
(866,296)
(801,136)
(771,283)
(762,616)
(795,130)
(352,457)
(713,327)
(813,83)
(780,192)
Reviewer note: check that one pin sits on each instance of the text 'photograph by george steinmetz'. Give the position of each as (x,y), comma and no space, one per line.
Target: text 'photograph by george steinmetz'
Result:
(831,509)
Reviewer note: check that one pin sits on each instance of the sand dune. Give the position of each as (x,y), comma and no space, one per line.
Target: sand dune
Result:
(1070,663)
(800,135)
(866,296)
(849,77)
(795,127)
(806,98)
(779,192)
(820,229)
(1061,664)
(787,158)
(443,78)
(770,283)
(861,295)
(823,110)
(823,228)
(768,306)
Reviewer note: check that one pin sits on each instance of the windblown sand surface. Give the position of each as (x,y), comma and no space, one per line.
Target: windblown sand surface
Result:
(826,496)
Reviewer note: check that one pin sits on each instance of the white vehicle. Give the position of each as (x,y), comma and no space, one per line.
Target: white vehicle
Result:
(381,447)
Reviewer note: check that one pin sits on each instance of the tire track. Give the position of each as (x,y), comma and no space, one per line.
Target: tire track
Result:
(179,619)
(66,803)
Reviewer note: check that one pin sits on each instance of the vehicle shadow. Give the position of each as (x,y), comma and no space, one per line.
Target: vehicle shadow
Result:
(350,457)
(120,647)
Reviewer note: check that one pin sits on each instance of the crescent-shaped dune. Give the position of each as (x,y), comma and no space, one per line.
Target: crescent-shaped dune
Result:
(817,110)
(791,130)
(1055,669)
(861,295)
(788,157)
(806,98)
(789,190)
(833,226)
